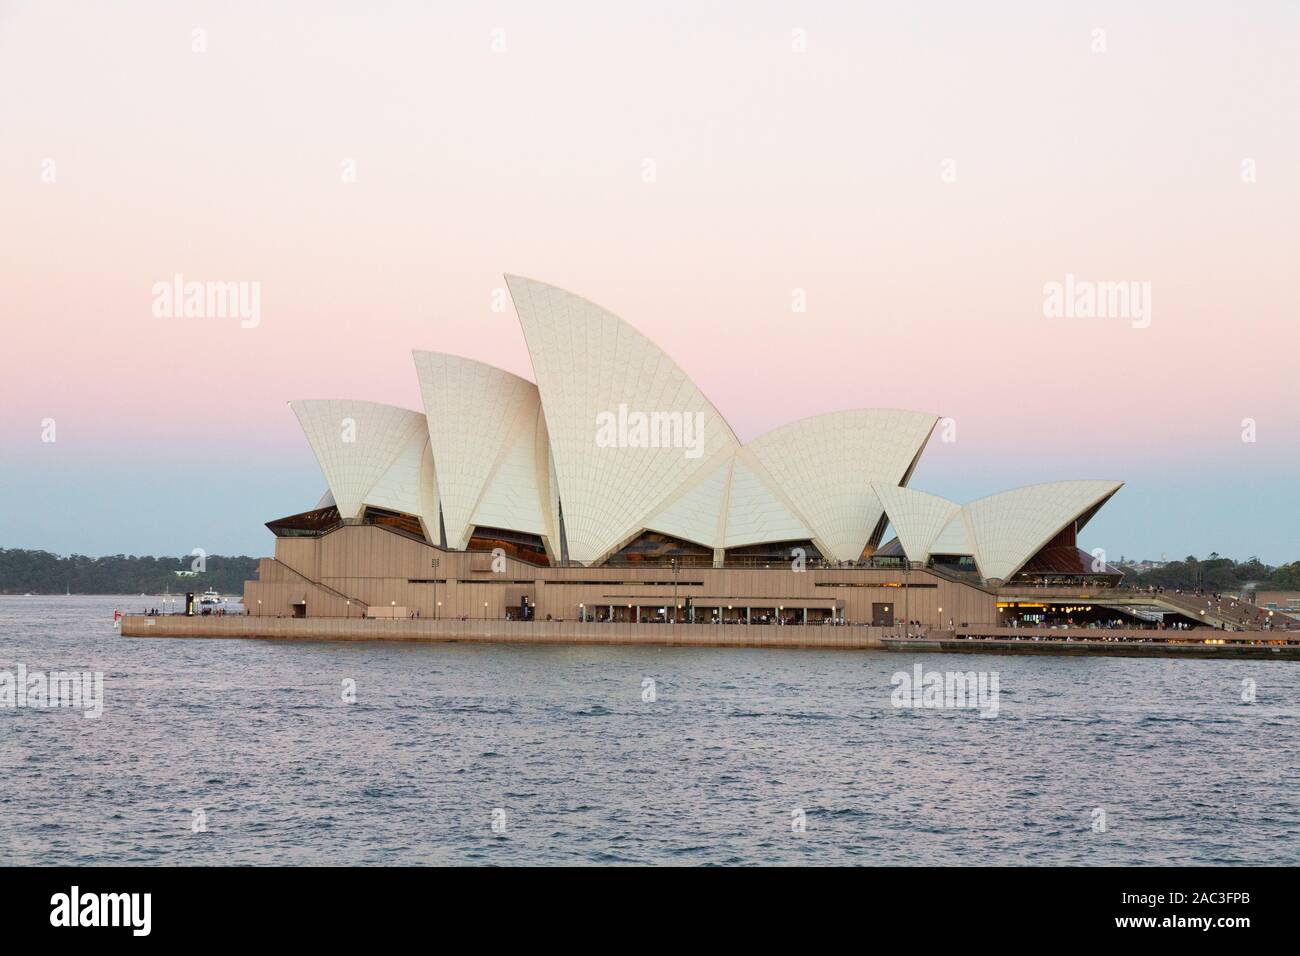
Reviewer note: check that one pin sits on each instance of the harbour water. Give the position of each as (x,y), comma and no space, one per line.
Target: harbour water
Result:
(508,754)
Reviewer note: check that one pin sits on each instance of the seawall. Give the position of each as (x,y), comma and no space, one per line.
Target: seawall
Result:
(1078,647)
(512,632)
(1247,645)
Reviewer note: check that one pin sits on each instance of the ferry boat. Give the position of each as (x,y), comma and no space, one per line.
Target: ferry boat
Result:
(211,598)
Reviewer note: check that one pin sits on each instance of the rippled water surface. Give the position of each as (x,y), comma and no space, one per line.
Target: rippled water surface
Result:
(257,735)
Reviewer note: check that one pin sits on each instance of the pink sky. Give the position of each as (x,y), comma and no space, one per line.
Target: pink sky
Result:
(775,171)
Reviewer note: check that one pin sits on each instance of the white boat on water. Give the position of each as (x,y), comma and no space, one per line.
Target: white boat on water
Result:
(211,598)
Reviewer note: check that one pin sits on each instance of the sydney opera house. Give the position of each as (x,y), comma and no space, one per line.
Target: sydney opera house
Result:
(611,489)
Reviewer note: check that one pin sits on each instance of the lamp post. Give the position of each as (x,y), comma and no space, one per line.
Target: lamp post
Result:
(582,613)
(907,600)
(436,603)
(674,590)
(485,610)
(940,618)
(348,612)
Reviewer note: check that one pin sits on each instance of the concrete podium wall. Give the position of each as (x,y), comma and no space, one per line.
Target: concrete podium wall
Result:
(377,568)
(519,632)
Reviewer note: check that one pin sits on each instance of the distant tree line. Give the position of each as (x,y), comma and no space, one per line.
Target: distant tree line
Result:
(40,572)
(1217,574)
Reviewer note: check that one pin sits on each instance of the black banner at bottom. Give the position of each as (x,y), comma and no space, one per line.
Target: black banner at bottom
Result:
(334,906)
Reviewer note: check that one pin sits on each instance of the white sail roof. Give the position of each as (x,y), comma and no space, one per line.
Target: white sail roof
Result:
(825,466)
(356,443)
(482,425)
(513,498)
(693,514)
(955,537)
(410,485)
(1011,527)
(590,366)
(755,512)
(917,517)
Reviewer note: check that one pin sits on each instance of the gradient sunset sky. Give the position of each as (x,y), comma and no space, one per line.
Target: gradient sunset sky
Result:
(514,137)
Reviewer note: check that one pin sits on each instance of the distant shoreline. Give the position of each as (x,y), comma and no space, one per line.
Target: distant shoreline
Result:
(24,571)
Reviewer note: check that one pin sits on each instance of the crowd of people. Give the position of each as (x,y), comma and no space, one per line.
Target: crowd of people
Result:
(1111,624)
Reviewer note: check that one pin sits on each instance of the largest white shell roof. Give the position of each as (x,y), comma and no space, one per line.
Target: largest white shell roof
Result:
(495,450)
(590,363)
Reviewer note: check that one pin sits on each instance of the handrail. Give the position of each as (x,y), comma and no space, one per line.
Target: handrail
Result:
(323,587)
(970,579)
(774,563)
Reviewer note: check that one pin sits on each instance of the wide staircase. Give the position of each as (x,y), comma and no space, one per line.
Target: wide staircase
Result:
(1224,611)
